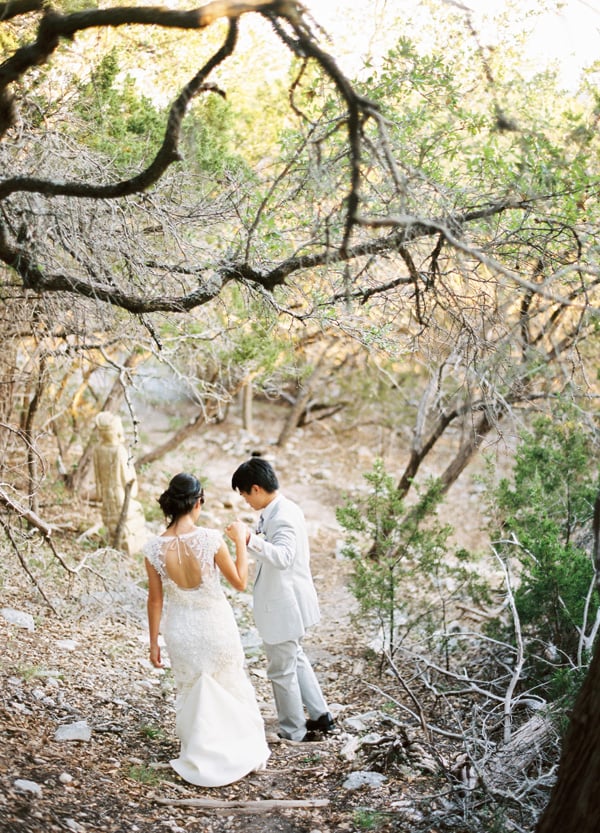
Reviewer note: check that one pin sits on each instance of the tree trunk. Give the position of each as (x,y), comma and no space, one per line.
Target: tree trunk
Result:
(32,456)
(419,452)
(299,406)
(205,415)
(247,396)
(482,427)
(596,528)
(574,805)
(8,380)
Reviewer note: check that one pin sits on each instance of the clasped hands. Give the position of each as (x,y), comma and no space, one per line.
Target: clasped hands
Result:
(237,531)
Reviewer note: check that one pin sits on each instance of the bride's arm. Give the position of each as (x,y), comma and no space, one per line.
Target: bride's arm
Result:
(236,572)
(154,607)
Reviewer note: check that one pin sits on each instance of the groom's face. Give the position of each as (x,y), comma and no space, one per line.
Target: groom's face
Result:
(256,498)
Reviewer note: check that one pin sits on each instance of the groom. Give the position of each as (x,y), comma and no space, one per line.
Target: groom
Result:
(285,600)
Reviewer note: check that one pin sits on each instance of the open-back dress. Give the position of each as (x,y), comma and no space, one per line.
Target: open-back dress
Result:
(217,717)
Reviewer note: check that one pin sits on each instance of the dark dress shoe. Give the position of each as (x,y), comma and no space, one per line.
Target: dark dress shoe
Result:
(309,737)
(312,737)
(324,723)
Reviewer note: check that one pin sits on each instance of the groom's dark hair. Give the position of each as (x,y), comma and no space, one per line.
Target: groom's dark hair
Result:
(255,472)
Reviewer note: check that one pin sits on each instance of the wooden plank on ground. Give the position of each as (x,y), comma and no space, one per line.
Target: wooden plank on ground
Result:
(261,806)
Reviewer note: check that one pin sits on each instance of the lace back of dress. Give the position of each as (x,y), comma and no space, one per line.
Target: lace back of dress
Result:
(182,565)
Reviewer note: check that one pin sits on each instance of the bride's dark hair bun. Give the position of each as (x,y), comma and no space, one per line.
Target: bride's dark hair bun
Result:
(183,492)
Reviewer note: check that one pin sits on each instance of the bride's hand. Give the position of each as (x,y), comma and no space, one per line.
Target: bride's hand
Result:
(155,656)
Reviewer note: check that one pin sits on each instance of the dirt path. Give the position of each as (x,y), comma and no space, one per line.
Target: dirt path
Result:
(95,670)
(89,665)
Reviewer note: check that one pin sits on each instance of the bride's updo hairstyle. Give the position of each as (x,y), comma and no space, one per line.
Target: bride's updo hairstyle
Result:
(181,496)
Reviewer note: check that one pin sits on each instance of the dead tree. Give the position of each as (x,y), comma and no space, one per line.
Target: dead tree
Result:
(304,393)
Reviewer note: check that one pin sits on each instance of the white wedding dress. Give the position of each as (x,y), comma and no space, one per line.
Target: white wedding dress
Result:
(217,717)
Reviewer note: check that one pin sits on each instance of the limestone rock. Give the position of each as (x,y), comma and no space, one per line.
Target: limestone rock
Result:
(18,617)
(80,730)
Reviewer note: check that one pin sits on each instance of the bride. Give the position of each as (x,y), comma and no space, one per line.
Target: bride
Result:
(217,717)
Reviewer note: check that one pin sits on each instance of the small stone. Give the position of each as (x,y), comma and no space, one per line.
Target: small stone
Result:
(41,695)
(22,785)
(372,739)
(18,618)
(251,639)
(350,748)
(80,730)
(362,778)
(278,795)
(355,723)
(20,707)
(65,778)
(67,644)
(361,722)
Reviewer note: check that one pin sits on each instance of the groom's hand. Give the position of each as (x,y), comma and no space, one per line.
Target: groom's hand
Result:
(237,531)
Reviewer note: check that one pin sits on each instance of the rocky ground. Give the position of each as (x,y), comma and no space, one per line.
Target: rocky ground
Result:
(93,674)
(86,664)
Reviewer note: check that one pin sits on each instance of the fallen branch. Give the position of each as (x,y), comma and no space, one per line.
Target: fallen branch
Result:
(116,542)
(34,581)
(520,658)
(46,530)
(505,769)
(31,517)
(248,806)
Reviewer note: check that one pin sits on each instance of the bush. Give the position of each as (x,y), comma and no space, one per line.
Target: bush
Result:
(545,514)
(403,574)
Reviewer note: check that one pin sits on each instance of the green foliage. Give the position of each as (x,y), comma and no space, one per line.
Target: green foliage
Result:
(402,570)
(117,120)
(312,759)
(114,119)
(467,136)
(365,819)
(8,41)
(30,672)
(257,346)
(152,511)
(564,687)
(144,775)
(152,732)
(495,819)
(70,6)
(545,511)
(209,138)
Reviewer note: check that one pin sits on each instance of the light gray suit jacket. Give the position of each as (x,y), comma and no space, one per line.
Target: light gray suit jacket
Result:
(285,599)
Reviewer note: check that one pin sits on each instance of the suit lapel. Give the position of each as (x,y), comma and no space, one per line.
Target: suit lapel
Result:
(262,525)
